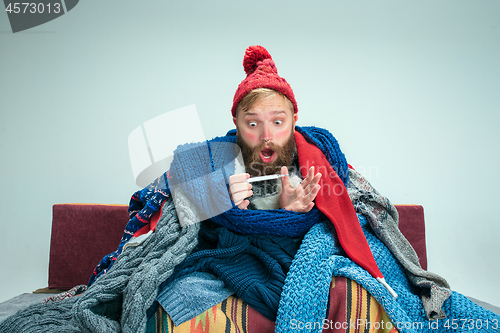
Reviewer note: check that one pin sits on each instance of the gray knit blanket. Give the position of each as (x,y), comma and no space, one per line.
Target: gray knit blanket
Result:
(383,218)
(119,299)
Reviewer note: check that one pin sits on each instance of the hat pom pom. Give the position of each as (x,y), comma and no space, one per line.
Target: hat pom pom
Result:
(254,54)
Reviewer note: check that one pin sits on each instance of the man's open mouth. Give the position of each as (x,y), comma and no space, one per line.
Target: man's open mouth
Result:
(267,155)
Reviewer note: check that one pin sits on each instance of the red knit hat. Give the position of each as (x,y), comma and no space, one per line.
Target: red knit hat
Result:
(261,73)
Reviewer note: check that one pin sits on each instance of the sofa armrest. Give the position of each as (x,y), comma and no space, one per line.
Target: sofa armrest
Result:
(82,234)
(412,226)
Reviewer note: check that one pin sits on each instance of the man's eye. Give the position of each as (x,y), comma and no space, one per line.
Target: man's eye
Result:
(252,124)
(278,122)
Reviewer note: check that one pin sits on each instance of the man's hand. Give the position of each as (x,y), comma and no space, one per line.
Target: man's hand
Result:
(299,199)
(239,190)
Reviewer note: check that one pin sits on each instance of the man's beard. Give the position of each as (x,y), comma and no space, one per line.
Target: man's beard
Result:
(254,165)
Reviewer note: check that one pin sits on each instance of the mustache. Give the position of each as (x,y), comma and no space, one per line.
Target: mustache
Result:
(269,145)
(254,154)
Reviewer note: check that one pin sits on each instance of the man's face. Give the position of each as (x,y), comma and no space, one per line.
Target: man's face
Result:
(265,135)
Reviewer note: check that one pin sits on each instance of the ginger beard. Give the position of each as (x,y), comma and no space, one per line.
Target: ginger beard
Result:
(284,156)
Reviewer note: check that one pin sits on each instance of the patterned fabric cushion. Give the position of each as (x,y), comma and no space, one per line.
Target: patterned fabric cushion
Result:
(351,308)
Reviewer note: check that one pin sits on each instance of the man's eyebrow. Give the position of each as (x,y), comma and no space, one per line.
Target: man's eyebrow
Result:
(278,111)
(250,113)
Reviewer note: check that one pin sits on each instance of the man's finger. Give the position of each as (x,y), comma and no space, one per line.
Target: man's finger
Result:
(244,204)
(310,173)
(309,177)
(308,208)
(284,170)
(284,180)
(239,197)
(316,179)
(239,178)
(314,192)
(239,187)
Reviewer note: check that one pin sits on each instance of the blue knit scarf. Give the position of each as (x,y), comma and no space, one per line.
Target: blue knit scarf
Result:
(202,170)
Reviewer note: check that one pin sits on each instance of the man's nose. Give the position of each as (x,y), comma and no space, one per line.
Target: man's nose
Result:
(267,134)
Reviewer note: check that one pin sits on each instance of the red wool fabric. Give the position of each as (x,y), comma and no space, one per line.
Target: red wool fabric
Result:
(333,201)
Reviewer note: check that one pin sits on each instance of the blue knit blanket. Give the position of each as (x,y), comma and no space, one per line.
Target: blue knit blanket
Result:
(305,294)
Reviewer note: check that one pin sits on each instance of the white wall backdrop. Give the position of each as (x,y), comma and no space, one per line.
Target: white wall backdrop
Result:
(411,89)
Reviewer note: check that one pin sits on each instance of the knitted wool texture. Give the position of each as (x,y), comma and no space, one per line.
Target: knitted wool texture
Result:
(253,266)
(305,294)
(261,73)
(188,296)
(333,201)
(192,164)
(99,310)
(143,205)
(119,299)
(383,218)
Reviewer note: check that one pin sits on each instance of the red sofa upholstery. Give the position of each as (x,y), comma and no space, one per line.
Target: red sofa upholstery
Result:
(82,234)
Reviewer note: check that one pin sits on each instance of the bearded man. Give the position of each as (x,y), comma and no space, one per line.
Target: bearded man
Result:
(264,113)
(293,252)
(267,262)
(265,122)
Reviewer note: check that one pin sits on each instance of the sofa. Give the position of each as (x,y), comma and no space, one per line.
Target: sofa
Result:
(82,234)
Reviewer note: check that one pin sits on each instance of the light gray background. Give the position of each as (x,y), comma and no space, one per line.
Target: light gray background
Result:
(411,89)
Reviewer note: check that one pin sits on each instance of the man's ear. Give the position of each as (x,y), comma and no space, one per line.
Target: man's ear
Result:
(235,124)
(295,118)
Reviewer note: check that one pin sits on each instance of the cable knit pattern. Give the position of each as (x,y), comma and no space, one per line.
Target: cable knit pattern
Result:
(305,293)
(119,299)
(48,318)
(143,205)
